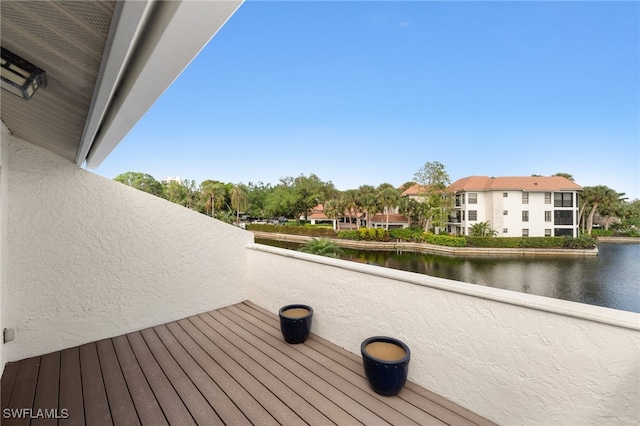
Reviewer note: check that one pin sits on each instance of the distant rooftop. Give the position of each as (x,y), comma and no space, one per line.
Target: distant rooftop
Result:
(523,183)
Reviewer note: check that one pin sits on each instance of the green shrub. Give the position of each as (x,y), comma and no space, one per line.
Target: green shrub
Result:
(582,242)
(516,242)
(364,234)
(632,233)
(373,234)
(445,240)
(294,230)
(322,247)
(350,234)
(601,232)
(408,234)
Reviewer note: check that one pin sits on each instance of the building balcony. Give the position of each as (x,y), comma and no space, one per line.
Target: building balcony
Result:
(479,355)
(228,366)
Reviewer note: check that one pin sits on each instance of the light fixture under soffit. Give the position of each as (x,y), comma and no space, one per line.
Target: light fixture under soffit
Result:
(20,77)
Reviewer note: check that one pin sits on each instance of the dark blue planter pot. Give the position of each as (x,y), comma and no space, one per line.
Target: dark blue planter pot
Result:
(295,324)
(386,364)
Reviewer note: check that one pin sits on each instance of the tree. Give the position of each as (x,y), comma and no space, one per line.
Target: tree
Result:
(212,193)
(630,213)
(565,175)
(389,198)
(333,209)
(141,181)
(410,208)
(257,198)
(368,202)
(349,202)
(482,229)
(239,200)
(434,181)
(299,195)
(598,196)
(175,192)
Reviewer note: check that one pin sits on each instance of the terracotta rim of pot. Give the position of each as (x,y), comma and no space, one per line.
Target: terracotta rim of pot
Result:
(296,306)
(386,339)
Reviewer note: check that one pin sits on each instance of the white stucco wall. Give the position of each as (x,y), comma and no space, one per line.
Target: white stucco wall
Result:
(90,258)
(4,134)
(514,358)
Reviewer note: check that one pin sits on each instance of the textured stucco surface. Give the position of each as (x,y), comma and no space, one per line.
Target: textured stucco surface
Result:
(508,362)
(4,134)
(90,258)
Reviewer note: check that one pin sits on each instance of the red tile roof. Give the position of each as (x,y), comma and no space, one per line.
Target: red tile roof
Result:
(416,189)
(526,183)
(393,218)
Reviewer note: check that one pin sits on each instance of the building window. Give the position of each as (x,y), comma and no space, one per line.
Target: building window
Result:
(547,198)
(458,200)
(505,212)
(463,212)
(468,231)
(563,199)
(563,217)
(525,198)
(505,194)
(547,216)
(561,232)
(473,198)
(505,230)
(473,215)
(525,215)
(547,232)
(525,232)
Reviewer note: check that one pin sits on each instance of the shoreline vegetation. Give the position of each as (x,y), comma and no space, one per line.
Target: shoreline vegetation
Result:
(420,247)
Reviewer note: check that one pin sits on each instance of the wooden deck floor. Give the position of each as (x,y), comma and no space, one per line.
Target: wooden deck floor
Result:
(229,366)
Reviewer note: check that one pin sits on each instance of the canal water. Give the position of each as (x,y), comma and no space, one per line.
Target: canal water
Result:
(611,279)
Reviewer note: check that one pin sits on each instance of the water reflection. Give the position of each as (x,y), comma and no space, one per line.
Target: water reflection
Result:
(611,280)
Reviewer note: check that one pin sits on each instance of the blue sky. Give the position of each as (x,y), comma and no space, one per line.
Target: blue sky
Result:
(367,92)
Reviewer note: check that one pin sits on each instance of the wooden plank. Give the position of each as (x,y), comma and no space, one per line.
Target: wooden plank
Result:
(218,400)
(24,391)
(358,391)
(147,407)
(168,399)
(192,398)
(8,380)
(123,412)
(47,389)
(263,372)
(423,404)
(96,405)
(255,412)
(354,363)
(285,370)
(71,387)
(281,412)
(347,401)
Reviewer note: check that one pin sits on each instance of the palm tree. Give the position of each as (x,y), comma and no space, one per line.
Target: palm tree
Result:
(408,207)
(215,193)
(322,247)
(349,202)
(367,200)
(389,198)
(332,210)
(599,195)
(239,200)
